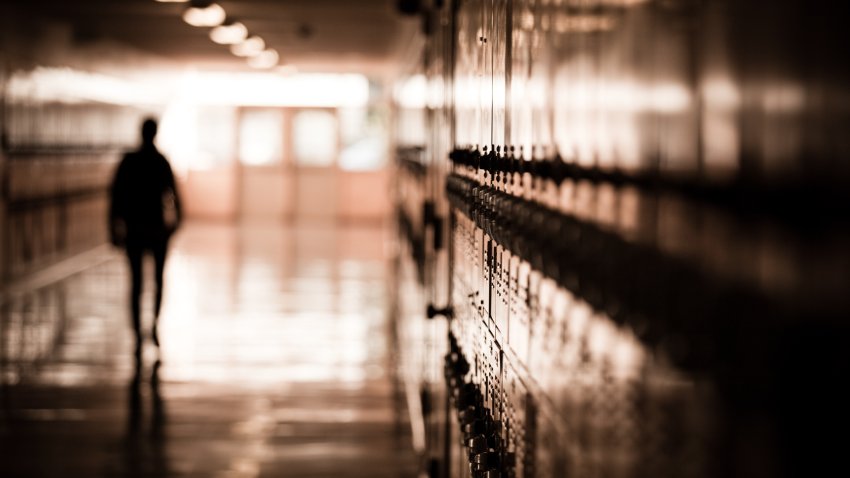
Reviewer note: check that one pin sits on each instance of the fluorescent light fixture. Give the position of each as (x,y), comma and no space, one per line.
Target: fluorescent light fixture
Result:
(209,16)
(173,1)
(265,59)
(250,46)
(229,33)
(269,88)
(66,85)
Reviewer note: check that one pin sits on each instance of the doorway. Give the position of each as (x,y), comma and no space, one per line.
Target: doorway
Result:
(315,150)
(262,164)
(288,164)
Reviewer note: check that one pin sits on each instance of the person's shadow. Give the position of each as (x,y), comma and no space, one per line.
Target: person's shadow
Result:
(145,453)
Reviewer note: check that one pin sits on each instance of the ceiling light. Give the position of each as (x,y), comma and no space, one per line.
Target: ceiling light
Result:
(229,34)
(250,46)
(265,59)
(173,1)
(209,16)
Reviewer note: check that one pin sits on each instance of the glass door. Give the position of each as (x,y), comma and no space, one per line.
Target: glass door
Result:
(264,192)
(315,151)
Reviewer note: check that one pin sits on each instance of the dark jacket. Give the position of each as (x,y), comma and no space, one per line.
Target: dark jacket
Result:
(144,202)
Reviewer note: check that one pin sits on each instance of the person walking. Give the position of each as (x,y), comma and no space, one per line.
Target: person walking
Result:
(144,212)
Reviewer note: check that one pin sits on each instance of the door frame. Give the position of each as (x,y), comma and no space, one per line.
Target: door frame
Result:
(282,168)
(295,169)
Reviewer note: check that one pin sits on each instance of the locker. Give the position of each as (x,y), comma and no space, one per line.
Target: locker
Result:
(635,230)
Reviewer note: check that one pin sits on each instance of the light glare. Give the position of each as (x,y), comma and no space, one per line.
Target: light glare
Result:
(251,46)
(229,34)
(265,59)
(210,16)
(273,89)
(48,84)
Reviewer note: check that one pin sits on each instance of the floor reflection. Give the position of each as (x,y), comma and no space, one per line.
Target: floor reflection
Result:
(146,439)
(274,361)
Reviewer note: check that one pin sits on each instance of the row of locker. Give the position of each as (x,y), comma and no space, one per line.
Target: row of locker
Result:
(584,310)
(630,229)
(70,126)
(57,161)
(54,206)
(34,177)
(36,235)
(588,355)
(579,392)
(712,90)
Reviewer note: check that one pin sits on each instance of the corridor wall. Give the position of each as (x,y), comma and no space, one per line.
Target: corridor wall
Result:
(624,233)
(69,110)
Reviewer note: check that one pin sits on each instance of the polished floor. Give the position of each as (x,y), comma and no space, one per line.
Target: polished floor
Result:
(276,360)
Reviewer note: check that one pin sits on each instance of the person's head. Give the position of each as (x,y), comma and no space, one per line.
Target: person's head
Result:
(148,131)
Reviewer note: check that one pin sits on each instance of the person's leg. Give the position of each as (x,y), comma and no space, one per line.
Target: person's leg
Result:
(159,252)
(134,256)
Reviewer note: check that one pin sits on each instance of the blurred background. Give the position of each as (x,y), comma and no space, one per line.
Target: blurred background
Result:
(442,238)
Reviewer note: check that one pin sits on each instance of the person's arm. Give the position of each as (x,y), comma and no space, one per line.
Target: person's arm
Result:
(117,205)
(172,184)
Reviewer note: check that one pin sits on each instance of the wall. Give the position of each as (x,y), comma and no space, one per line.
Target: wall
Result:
(210,194)
(364,196)
(640,209)
(217,186)
(69,108)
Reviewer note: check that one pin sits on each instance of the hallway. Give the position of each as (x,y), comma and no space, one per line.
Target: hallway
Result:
(425,238)
(276,360)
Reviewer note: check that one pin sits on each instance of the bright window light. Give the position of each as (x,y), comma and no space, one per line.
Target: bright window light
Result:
(210,16)
(314,134)
(367,154)
(272,89)
(264,60)
(363,138)
(251,46)
(229,34)
(261,137)
(45,84)
(412,92)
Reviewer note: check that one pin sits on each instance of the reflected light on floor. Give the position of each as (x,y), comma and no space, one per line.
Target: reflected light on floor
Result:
(275,361)
(267,326)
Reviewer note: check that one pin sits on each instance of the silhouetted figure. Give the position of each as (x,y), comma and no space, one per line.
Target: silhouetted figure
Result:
(144,213)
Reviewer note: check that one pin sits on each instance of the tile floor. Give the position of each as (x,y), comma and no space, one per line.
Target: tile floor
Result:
(276,361)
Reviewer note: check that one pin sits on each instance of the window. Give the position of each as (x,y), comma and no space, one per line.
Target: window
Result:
(364,140)
(314,136)
(261,137)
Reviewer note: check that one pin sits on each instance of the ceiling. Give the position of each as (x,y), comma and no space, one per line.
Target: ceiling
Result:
(312,35)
